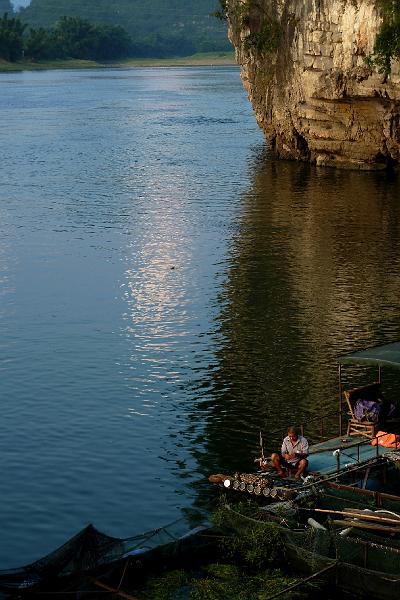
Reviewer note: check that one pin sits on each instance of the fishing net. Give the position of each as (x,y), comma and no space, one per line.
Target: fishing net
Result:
(356,580)
(361,562)
(359,567)
(353,549)
(366,583)
(93,552)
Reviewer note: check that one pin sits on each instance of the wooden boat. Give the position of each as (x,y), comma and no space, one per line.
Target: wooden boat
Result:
(359,449)
(342,468)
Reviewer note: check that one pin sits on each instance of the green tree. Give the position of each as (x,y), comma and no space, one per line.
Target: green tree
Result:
(166,23)
(112,42)
(74,38)
(39,44)
(163,45)
(11,38)
(78,38)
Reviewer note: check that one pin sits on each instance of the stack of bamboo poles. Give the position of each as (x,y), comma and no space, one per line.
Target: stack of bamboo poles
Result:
(382,521)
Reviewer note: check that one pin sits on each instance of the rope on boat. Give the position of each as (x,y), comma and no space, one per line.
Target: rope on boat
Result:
(299,583)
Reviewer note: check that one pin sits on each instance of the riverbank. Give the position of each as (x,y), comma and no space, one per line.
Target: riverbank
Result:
(196,60)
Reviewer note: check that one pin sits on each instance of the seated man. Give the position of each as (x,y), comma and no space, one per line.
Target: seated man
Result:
(293,454)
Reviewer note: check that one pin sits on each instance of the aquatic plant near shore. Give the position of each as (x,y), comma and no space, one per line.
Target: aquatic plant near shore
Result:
(252,564)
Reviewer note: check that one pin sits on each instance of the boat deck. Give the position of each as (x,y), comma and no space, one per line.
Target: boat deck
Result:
(353,450)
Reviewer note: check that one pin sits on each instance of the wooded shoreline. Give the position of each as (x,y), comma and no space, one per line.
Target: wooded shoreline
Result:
(206,59)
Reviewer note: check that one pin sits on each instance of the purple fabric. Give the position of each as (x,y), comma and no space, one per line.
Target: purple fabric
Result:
(367,410)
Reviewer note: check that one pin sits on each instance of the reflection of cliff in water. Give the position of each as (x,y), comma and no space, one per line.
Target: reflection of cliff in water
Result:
(314,272)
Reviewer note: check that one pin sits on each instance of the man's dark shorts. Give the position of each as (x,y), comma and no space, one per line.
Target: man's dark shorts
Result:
(288,465)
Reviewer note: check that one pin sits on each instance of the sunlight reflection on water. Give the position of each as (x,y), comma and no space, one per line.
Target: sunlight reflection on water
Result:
(167,289)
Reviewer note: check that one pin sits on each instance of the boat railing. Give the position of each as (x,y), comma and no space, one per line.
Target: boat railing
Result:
(380,450)
(378,447)
(322,421)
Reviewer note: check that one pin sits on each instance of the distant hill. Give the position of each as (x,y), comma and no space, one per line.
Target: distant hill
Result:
(157,27)
(5,7)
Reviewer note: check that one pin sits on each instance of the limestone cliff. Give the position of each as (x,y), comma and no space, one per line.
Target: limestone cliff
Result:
(303,63)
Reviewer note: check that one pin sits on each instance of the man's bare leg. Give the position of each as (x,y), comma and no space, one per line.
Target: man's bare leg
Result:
(301,467)
(276,461)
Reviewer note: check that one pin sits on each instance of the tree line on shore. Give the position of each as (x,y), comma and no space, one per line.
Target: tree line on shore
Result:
(158,28)
(70,38)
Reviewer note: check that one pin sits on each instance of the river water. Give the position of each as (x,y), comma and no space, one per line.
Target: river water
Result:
(167,289)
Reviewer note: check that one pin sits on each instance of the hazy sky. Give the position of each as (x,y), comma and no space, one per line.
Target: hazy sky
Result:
(18,3)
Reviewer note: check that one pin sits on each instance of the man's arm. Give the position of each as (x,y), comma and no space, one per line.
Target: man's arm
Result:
(286,452)
(303,449)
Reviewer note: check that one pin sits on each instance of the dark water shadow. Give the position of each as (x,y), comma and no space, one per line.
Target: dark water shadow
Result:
(313,272)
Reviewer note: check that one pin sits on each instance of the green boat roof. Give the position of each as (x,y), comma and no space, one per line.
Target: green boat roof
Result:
(388,355)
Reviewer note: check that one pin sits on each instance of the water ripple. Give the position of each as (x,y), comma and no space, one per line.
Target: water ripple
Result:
(167,289)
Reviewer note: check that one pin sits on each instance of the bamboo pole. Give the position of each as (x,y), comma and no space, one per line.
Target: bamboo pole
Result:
(357,515)
(295,585)
(113,590)
(382,512)
(367,525)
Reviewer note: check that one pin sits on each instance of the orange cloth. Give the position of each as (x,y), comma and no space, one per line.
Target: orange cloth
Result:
(388,440)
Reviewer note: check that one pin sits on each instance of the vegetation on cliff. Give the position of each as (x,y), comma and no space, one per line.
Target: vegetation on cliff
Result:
(264,31)
(387,43)
(221,12)
(267,39)
(264,36)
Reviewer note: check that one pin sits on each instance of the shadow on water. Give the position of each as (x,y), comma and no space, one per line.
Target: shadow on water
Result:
(313,273)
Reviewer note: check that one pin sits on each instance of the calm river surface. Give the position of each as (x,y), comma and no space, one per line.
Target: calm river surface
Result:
(166,290)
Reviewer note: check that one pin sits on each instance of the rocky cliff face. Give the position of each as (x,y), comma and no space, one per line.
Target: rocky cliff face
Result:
(303,65)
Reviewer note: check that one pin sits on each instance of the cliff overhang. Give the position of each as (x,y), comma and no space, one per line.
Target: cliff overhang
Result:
(304,64)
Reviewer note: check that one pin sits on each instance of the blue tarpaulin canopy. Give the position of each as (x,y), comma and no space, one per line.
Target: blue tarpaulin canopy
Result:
(388,355)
